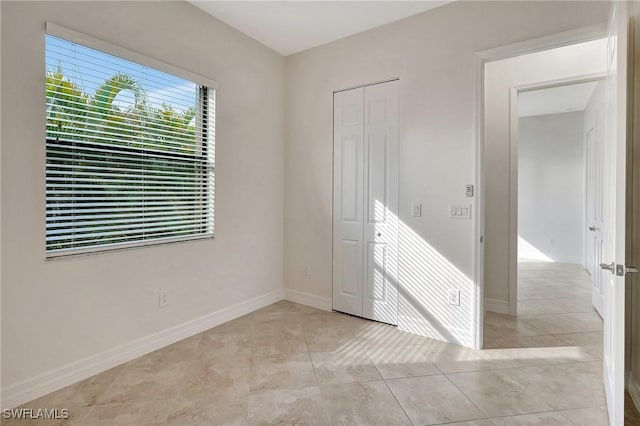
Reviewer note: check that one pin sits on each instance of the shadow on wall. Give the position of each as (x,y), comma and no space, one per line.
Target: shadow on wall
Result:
(528,251)
(424,279)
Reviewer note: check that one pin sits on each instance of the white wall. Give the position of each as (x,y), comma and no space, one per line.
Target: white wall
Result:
(551,187)
(500,77)
(433,56)
(61,311)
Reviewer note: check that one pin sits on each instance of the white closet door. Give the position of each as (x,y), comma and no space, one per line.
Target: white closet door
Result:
(365,216)
(381,202)
(348,184)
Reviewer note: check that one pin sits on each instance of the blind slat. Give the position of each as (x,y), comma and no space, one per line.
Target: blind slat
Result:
(116,242)
(83,147)
(118,204)
(79,229)
(136,231)
(147,215)
(141,172)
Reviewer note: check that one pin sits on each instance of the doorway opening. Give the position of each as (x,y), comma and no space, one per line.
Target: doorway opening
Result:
(496,255)
(541,196)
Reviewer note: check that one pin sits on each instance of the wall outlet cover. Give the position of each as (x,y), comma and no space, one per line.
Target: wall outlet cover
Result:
(163,300)
(454,297)
(416,209)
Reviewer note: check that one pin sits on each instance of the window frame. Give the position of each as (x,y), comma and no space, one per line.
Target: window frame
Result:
(130,55)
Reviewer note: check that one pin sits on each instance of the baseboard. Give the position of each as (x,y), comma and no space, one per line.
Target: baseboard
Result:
(308,299)
(634,390)
(496,305)
(58,378)
(578,260)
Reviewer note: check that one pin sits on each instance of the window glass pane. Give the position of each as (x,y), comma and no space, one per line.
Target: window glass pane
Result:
(129,152)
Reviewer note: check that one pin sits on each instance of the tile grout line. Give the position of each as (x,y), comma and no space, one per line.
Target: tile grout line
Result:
(323,403)
(468,399)
(396,398)
(86,416)
(253,356)
(524,414)
(525,366)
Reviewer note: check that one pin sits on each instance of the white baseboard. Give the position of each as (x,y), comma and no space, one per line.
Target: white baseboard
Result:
(58,378)
(496,305)
(634,390)
(308,299)
(579,260)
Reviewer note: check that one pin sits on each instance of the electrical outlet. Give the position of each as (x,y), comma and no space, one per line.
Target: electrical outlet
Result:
(163,300)
(305,271)
(454,297)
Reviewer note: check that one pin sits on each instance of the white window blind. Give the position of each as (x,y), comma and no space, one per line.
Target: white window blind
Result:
(130,153)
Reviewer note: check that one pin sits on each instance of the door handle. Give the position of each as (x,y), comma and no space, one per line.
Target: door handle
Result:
(609,267)
(592,228)
(622,270)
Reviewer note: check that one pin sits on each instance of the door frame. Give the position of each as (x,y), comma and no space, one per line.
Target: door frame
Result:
(513,171)
(565,38)
(633,203)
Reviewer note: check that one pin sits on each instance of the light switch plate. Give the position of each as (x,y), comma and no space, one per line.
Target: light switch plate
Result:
(460,211)
(416,209)
(454,297)
(163,299)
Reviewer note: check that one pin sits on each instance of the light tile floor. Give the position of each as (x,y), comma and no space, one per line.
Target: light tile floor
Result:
(555,316)
(328,368)
(554,310)
(290,364)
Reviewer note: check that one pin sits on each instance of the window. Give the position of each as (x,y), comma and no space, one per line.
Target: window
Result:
(129,149)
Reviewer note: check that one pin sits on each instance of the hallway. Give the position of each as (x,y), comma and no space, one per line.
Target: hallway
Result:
(554,309)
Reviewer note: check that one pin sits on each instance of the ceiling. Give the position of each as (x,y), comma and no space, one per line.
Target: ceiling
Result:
(573,97)
(289,27)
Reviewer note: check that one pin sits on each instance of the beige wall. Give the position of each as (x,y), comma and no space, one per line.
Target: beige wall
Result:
(500,76)
(551,187)
(57,312)
(433,55)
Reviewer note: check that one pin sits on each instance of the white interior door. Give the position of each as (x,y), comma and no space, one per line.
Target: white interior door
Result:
(595,164)
(348,184)
(381,201)
(365,193)
(614,209)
